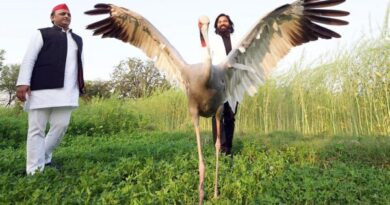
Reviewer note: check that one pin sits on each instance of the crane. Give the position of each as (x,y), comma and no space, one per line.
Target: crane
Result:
(208,86)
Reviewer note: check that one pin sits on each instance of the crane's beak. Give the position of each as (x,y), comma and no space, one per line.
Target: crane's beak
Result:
(203,39)
(203,28)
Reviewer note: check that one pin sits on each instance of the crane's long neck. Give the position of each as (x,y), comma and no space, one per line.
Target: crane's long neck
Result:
(204,39)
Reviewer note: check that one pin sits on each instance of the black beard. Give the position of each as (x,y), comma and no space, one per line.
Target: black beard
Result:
(223,32)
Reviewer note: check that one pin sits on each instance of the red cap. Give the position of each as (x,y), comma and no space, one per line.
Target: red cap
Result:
(60,6)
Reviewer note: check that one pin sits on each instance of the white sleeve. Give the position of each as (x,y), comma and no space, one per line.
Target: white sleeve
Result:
(82,61)
(217,49)
(29,59)
(235,41)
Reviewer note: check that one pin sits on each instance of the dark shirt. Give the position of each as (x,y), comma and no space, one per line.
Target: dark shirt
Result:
(227,42)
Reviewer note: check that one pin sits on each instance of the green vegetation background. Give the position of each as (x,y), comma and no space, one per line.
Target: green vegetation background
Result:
(310,136)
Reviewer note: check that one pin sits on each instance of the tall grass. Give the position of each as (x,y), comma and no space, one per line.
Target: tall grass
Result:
(350,95)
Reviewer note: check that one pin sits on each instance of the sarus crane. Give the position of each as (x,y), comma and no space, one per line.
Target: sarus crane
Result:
(208,86)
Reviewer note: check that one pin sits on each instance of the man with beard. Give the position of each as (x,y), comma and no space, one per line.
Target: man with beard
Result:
(221,45)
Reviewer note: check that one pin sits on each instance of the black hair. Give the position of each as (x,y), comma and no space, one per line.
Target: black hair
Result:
(51,15)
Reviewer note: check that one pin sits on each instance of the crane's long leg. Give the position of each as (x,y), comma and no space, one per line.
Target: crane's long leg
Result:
(217,148)
(202,168)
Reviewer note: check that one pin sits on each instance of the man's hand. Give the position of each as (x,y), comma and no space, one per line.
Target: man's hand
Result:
(21,91)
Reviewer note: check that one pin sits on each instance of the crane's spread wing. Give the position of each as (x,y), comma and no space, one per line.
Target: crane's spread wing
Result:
(271,38)
(132,28)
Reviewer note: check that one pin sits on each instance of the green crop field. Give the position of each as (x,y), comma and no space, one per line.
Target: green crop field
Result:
(316,135)
(161,168)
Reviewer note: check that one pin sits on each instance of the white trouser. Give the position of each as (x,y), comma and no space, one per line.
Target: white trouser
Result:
(39,147)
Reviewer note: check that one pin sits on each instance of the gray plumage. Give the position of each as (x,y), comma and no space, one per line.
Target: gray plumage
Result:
(246,67)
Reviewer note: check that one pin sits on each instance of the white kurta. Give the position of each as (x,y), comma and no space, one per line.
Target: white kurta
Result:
(217,48)
(67,96)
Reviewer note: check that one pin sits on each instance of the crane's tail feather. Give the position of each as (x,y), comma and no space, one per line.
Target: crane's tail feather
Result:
(325,12)
(326,20)
(101,5)
(321,4)
(313,15)
(98,24)
(99,9)
(103,29)
(324,32)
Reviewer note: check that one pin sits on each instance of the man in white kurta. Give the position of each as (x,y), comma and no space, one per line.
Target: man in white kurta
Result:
(54,105)
(221,44)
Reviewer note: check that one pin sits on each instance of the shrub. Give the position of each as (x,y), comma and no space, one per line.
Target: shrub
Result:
(100,117)
(13,131)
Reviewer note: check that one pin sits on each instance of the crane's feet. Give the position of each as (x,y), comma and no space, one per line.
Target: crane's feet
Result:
(216,193)
(201,194)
